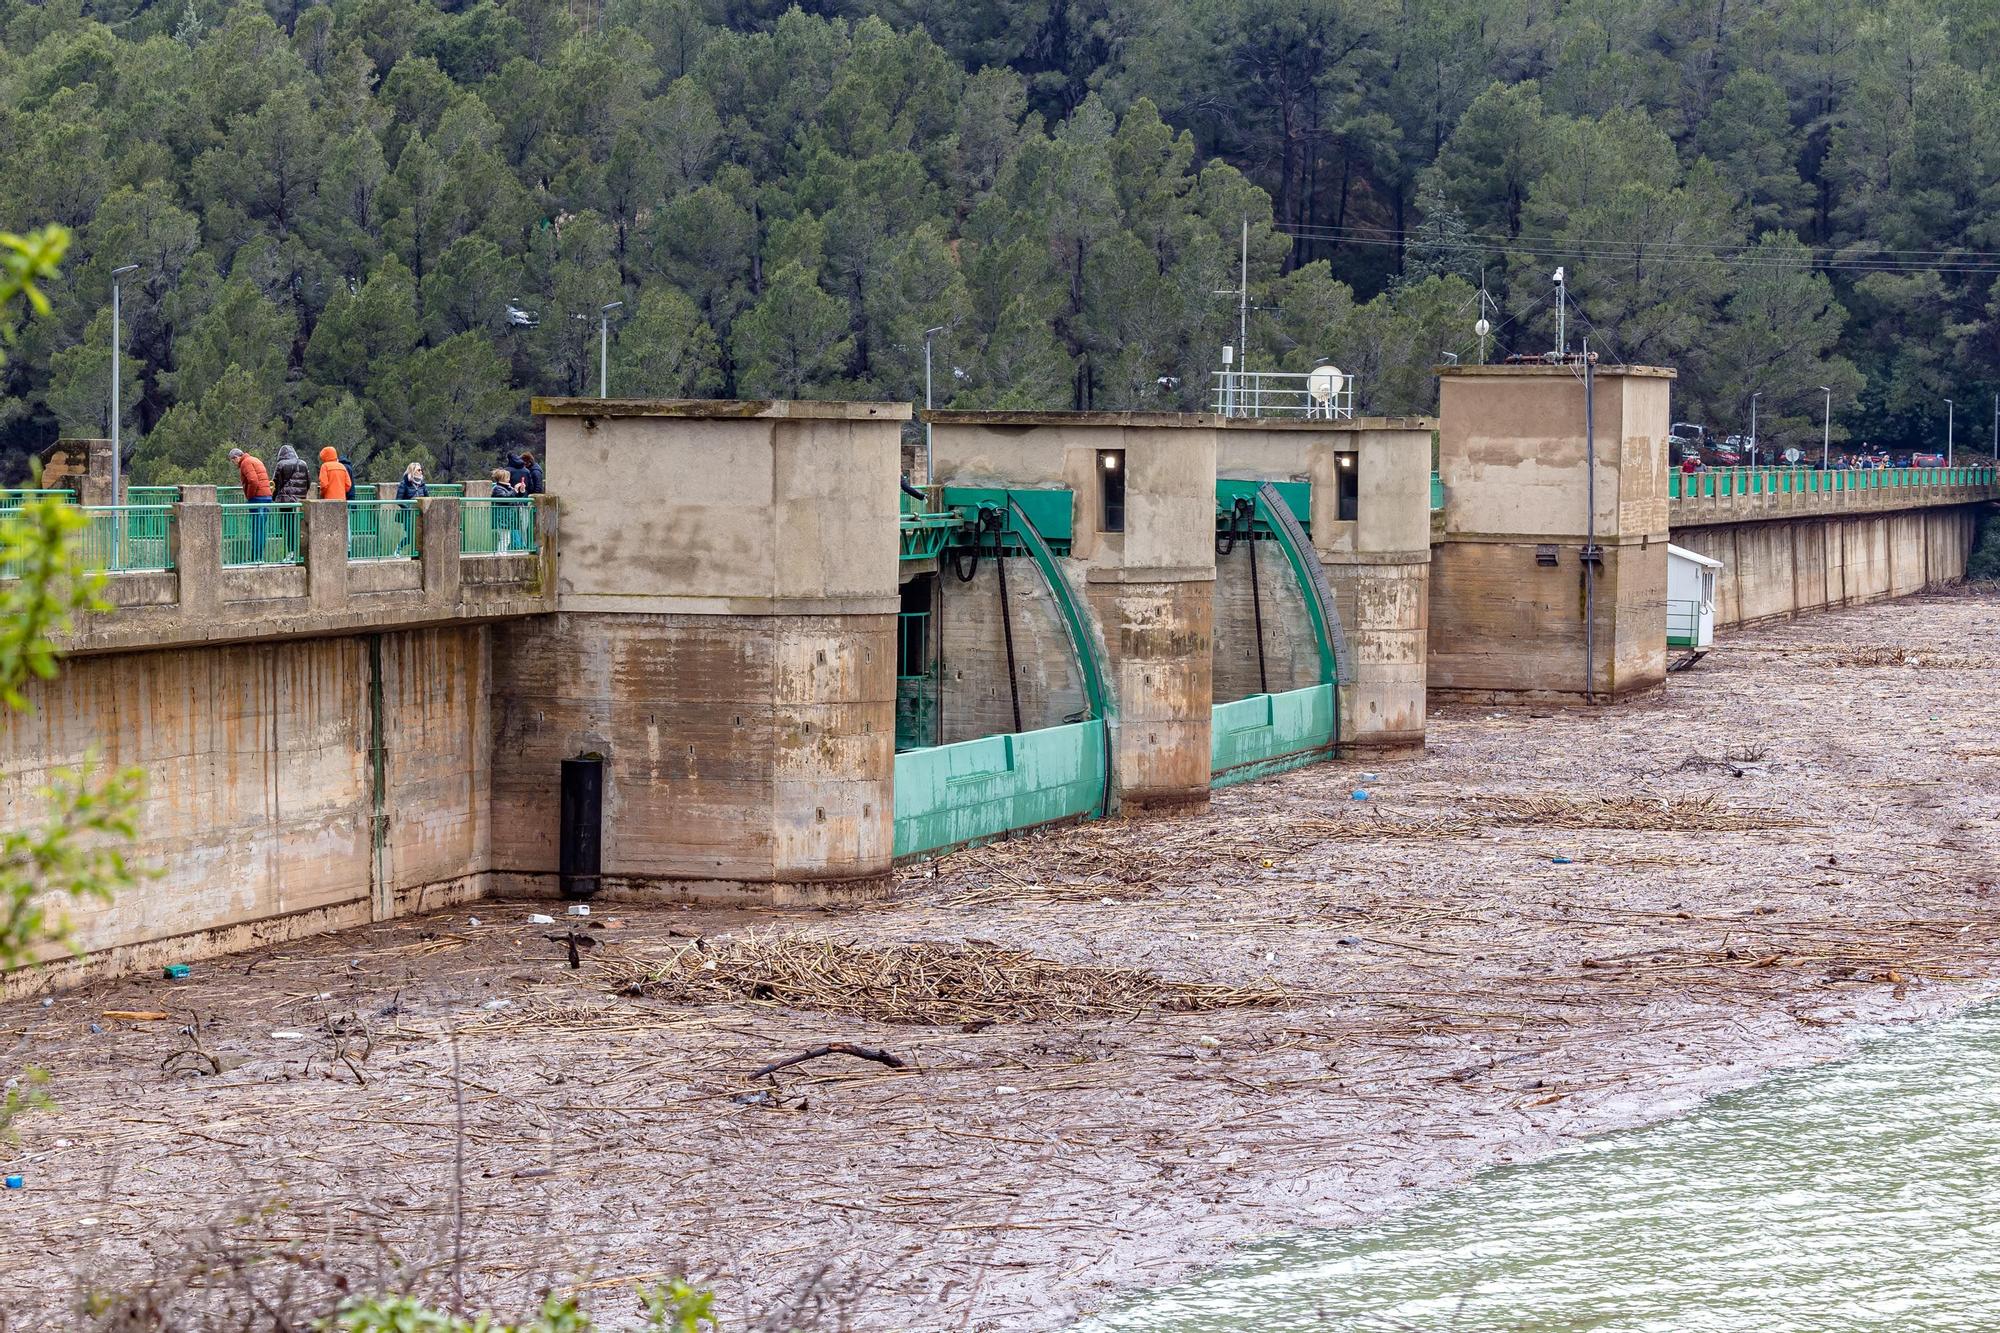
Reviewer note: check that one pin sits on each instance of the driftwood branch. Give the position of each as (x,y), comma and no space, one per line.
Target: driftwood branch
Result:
(832,1048)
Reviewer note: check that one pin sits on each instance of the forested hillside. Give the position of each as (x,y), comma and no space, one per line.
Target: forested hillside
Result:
(334,207)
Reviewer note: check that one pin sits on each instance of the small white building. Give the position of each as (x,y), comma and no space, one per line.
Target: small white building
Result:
(1690,599)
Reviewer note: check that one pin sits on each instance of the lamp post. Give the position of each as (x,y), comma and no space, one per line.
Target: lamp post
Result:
(928,335)
(1753,426)
(1826,430)
(1950,420)
(604,348)
(117,406)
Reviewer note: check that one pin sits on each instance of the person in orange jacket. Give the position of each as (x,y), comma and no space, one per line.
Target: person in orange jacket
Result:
(334,481)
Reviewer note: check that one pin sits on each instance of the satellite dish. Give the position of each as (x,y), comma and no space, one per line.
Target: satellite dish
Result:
(1482,327)
(1324,383)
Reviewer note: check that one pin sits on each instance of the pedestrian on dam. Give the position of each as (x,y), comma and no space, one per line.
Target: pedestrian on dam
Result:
(257,491)
(517,475)
(411,487)
(292,476)
(335,482)
(534,474)
(503,513)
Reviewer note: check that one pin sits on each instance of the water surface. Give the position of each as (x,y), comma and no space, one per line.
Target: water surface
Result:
(1859,1195)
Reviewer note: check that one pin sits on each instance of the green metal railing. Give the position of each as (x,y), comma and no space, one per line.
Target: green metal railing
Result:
(127,539)
(383,530)
(156,495)
(262,534)
(496,527)
(924,535)
(1437,492)
(1717,483)
(13,500)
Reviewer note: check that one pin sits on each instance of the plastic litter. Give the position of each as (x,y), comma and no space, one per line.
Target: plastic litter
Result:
(1349,940)
(540,919)
(1561,861)
(1209,1043)
(492,1005)
(1370,777)
(472,921)
(1006,1092)
(176,971)
(1360,794)
(579,909)
(284,1034)
(16,1183)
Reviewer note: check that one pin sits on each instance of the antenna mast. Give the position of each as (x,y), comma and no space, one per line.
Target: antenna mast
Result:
(1243,300)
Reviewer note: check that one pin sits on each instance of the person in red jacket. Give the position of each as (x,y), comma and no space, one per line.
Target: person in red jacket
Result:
(334,483)
(257,490)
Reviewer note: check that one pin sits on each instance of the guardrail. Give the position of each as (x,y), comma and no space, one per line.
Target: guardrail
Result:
(382,530)
(497,526)
(127,539)
(262,534)
(1712,483)
(1272,393)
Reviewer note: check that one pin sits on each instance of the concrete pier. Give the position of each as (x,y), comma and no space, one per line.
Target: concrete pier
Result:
(1513,574)
(1146,567)
(723,638)
(1370,526)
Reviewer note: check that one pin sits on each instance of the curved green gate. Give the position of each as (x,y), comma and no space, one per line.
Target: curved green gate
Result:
(970,791)
(1269,733)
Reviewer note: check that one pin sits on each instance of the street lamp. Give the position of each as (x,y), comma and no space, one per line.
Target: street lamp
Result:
(1826,429)
(928,335)
(1950,419)
(1753,426)
(117,461)
(604,348)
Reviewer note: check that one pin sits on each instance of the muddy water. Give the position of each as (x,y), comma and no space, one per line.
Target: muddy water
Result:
(1859,1195)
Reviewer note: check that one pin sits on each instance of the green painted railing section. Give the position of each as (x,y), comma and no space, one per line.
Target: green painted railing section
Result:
(924,535)
(1718,483)
(970,791)
(496,527)
(383,530)
(1437,492)
(1268,733)
(280,529)
(158,495)
(128,539)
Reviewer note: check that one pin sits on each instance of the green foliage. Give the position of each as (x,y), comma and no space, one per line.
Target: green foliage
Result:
(325,200)
(670,1307)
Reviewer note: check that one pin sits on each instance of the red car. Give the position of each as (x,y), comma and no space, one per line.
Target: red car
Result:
(1926,460)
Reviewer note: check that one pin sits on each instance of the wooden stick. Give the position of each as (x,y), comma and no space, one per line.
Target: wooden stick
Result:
(832,1048)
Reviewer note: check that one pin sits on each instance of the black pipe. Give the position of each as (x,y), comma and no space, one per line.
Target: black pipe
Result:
(1257,614)
(912,491)
(1007,632)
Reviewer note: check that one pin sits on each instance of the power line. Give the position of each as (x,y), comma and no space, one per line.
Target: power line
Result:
(1670,253)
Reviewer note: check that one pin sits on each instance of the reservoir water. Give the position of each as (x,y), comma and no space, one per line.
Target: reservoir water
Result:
(1860,1195)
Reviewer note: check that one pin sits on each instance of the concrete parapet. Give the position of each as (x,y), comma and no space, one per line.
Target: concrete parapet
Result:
(1515,570)
(725,640)
(1804,493)
(199,601)
(1147,574)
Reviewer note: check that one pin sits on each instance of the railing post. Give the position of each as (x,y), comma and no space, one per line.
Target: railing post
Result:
(325,540)
(196,547)
(437,547)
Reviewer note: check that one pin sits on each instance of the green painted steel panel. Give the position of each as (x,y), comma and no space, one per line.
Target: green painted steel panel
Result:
(1269,732)
(948,795)
(1296,494)
(1051,511)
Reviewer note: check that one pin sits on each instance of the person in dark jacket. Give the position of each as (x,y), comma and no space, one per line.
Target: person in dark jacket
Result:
(411,487)
(291,476)
(517,475)
(534,470)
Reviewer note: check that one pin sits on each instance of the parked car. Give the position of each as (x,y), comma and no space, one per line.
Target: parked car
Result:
(1723,456)
(1926,460)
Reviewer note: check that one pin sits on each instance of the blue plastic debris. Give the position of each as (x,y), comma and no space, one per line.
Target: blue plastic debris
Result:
(1360,794)
(16,1183)
(175,971)
(1562,860)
